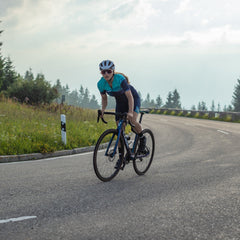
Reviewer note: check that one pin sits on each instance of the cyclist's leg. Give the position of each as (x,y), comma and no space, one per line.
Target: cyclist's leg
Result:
(137,125)
(120,152)
(120,109)
(138,129)
(120,147)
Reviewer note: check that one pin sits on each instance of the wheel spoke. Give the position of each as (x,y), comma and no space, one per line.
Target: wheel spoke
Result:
(144,160)
(104,160)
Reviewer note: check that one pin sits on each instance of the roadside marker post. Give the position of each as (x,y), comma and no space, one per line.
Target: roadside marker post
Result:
(63,123)
(63,129)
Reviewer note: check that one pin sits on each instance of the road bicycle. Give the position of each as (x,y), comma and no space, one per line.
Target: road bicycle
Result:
(106,152)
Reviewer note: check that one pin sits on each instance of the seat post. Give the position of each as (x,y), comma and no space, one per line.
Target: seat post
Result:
(140,120)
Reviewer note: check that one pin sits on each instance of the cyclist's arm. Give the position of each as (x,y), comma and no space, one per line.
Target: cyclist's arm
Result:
(129,96)
(104,102)
(130,101)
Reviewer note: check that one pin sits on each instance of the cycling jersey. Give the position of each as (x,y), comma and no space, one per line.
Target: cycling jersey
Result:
(118,89)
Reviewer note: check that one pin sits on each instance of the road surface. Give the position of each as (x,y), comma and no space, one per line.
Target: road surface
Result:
(192,190)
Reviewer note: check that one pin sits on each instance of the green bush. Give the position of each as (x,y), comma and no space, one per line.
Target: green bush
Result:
(228,118)
(165,112)
(205,116)
(180,113)
(152,111)
(197,115)
(32,91)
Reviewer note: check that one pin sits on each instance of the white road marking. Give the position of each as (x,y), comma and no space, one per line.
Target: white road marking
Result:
(47,159)
(17,219)
(223,132)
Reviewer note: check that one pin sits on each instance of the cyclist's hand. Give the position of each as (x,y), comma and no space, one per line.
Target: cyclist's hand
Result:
(102,113)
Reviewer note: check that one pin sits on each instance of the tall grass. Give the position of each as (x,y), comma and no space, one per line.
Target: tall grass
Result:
(31,129)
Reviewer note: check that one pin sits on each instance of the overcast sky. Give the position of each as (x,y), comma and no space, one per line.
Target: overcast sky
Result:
(190,45)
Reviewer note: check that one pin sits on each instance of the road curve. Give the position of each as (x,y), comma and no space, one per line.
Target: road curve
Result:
(190,192)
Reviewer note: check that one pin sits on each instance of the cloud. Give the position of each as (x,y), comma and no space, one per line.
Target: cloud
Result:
(35,16)
(119,21)
(75,26)
(204,21)
(129,15)
(8,4)
(224,35)
(183,7)
(123,10)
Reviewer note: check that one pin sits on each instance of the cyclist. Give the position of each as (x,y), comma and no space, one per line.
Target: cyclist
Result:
(127,99)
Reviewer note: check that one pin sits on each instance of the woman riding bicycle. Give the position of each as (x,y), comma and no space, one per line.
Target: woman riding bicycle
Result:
(127,99)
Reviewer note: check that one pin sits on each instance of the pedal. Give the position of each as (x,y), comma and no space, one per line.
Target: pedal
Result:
(123,166)
(132,157)
(144,154)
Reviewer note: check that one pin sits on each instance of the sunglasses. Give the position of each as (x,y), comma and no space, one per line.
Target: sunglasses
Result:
(109,71)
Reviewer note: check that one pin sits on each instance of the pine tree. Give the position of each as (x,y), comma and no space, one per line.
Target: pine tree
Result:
(29,75)
(236,97)
(169,102)
(158,101)
(176,99)
(173,100)
(213,106)
(86,99)
(148,102)
(140,96)
(0,42)
(65,92)
(9,74)
(73,98)
(81,96)
(202,106)
(58,87)
(1,64)
(94,103)
(1,71)
(111,102)
(229,108)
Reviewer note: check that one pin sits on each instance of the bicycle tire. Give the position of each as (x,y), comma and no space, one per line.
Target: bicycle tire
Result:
(142,164)
(104,166)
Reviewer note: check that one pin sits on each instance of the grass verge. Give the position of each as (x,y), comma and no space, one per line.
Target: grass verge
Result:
(33,129)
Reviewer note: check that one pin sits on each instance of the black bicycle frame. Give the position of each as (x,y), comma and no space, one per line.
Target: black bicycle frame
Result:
(121,132)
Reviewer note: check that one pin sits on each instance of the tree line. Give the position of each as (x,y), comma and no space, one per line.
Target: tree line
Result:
(37,90)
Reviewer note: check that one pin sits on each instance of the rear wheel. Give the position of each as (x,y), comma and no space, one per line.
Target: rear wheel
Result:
(144,160)
(104,159)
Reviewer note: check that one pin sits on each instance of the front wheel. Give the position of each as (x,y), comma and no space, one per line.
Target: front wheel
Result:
(143,161)
(104,157)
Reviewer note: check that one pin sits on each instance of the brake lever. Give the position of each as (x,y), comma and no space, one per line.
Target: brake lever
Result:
(132,125)
(99,114)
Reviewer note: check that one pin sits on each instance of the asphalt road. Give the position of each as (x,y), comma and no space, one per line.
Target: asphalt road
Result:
(192,190)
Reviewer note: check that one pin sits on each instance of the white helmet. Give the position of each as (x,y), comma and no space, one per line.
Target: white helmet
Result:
(106,64)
